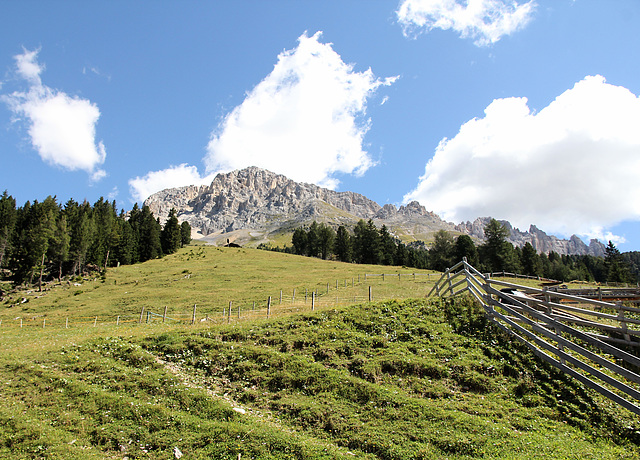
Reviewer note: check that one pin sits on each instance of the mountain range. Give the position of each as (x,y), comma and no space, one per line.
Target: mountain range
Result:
(253,206)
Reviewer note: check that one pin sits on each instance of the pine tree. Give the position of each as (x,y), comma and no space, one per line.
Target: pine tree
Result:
(171,237)
(342,245)
(81,225)
(387,246)
(465,248)
(442,251)
(7,225)
(531,263)
(326,238)
(313,240)
(185,233)
(149,245)
(616,266)
(497,253)
(59,244)
(367,243)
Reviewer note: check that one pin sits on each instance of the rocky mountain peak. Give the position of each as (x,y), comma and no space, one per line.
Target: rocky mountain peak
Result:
(251,203)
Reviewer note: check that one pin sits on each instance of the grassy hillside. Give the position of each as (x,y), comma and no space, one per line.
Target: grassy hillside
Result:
(389,379)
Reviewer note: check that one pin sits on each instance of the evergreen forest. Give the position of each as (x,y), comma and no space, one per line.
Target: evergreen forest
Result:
(46,240)
(367,244)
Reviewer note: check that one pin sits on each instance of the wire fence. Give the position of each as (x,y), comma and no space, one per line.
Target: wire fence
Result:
(340,292)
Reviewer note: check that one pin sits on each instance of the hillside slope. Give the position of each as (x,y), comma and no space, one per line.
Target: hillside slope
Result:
(392,380)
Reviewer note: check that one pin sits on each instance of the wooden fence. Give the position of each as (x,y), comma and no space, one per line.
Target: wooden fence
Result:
(583,337)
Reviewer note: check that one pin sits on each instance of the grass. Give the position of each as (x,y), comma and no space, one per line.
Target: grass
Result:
(208,277)
(391,379)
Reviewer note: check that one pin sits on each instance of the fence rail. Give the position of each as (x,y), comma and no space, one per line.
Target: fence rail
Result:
(580,336)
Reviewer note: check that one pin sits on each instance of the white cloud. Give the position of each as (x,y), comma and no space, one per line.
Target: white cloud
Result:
(306,119)
(571,168)
(484,21)
(174,176)
(61,127)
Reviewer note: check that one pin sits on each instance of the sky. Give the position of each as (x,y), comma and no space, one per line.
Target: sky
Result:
(526,111)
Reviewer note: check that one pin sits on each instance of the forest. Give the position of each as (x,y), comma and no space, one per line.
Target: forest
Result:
(367,244)
(46,240)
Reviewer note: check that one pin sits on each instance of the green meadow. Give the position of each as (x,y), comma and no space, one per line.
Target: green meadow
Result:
(96,372)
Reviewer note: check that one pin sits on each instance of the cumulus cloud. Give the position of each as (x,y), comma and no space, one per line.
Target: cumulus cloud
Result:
(306,119)
(484,21)
(570,168)
(174,176)
(61,127)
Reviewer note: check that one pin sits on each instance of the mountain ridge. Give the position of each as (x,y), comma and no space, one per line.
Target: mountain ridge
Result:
(252,205)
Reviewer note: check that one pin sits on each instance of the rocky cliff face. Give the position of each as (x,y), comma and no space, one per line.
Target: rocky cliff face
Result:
(254,201)
(258,199)
(537,238)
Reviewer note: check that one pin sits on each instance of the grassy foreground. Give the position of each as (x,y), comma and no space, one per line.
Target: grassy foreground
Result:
(404,379)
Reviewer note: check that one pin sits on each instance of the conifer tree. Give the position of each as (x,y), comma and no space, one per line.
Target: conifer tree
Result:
(442,251)
(149,244)
(343,248)
(465,247)
(326,238)
(185,233)
(387,246)
(7,225)
(171,236)
(299,241)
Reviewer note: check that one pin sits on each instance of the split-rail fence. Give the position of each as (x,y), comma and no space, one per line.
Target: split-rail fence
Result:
(589,339)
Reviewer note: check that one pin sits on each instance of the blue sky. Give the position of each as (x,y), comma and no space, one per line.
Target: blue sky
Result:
(524,111)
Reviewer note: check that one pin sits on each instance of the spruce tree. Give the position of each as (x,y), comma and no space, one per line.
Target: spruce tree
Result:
(7,225)
(149,245)
(464,247)
(442,252)
(171,237)
(185,233)
(326,238)
(343,248)
(616,266)
(299,241)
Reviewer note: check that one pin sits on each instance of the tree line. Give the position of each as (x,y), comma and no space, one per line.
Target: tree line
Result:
(367,244)
(46,240)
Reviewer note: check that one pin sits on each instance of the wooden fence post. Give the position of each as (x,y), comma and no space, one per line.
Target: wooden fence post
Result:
(44,322)
(313,301)
(293,299)
(164,316)
(66,324)
(327,288)
(269,306)
(95,322)
(623,323)
(229,316)
(141,313)
(370,294)
(118,321)
(193,317)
